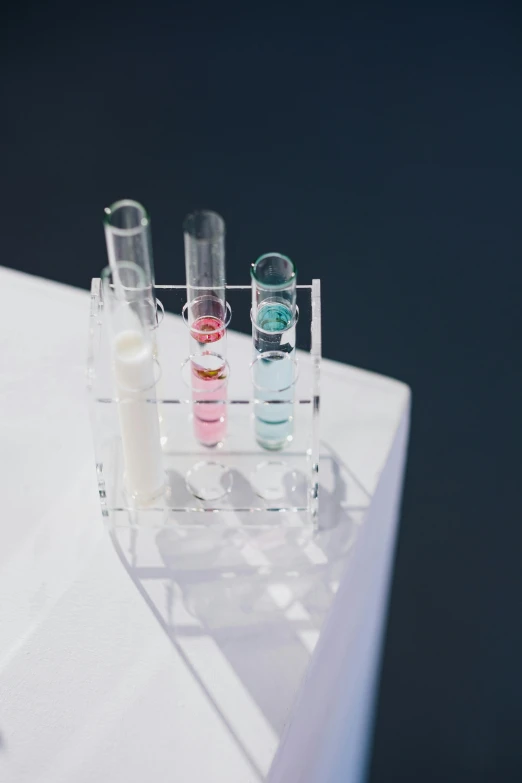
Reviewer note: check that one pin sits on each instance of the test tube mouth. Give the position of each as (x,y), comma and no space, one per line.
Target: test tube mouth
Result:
(273,271)
(204,226)
(126,218)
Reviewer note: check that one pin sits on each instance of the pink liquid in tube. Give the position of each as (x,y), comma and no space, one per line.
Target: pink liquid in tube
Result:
(209,382)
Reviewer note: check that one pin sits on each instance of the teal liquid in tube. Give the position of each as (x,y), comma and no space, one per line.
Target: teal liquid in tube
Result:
(273,329)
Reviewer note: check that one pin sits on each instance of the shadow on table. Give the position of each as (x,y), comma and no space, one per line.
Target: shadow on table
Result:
(243,606)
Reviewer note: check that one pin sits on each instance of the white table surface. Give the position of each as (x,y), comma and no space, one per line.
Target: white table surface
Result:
(196,656)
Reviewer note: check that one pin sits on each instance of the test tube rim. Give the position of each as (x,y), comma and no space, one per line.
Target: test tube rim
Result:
(273,286)
(109,211)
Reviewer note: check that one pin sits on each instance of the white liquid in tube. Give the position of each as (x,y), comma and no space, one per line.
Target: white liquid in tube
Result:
(139,422)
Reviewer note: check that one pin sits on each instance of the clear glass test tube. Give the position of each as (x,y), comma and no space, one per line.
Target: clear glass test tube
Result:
(274,316)
(125,298)
(128,238)
(207,316)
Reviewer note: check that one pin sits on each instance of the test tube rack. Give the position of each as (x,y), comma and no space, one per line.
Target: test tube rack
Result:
(236,482)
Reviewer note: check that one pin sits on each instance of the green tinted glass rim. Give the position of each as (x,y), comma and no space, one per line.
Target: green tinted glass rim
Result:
(142,223)
(274,286)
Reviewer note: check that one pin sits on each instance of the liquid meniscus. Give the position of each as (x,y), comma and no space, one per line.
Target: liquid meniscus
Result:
(207,329)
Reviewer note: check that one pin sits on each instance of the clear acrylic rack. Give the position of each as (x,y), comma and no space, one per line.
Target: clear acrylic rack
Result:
(236,482)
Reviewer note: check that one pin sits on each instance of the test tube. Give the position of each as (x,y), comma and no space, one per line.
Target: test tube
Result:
(207,316)
(126,304)
(274,315)
(127,234)
(128,239)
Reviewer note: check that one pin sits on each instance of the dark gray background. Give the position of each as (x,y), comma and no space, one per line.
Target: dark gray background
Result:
(380,147)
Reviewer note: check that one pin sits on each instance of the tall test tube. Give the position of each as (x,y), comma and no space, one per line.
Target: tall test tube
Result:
(125,298)
(207,316)
(274,315)
(128,238)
